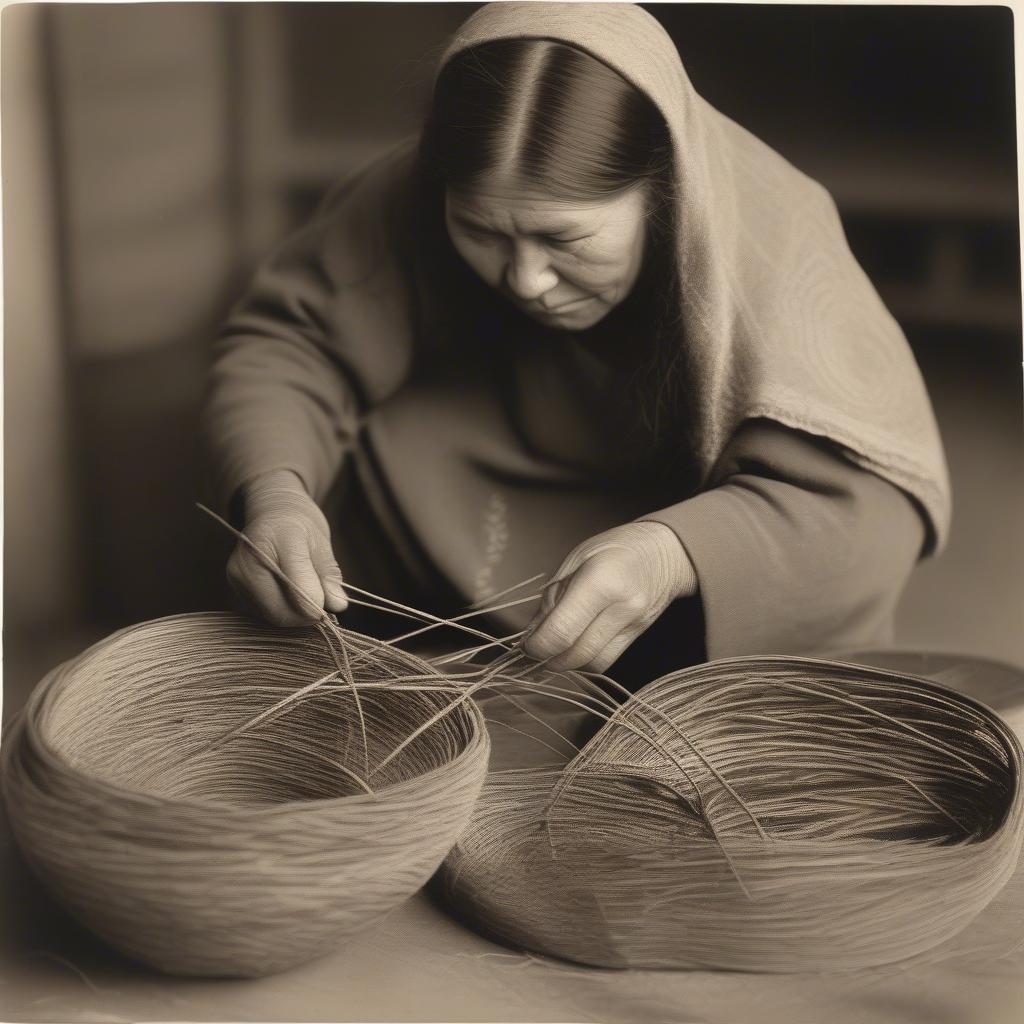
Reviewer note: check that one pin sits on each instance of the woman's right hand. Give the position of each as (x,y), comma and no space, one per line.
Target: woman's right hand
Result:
(286,524)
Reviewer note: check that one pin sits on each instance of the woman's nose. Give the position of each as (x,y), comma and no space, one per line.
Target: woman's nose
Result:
(529,273)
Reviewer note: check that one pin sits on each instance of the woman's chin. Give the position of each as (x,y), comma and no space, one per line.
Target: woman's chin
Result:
(576,317)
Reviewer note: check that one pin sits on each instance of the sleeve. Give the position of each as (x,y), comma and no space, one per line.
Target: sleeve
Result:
(795,548)
(321,335)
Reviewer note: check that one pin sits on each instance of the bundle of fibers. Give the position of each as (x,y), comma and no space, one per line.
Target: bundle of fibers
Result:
(200,847)
(762,813)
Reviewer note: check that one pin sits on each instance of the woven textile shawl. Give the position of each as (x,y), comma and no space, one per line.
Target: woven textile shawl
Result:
(780,319)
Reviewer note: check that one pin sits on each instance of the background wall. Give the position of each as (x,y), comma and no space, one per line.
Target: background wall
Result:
(153,152)
(39,561)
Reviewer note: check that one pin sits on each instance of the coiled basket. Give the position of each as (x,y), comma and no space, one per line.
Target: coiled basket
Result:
(761,814)
(203,853)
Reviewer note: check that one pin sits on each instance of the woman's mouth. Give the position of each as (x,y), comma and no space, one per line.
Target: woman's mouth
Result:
(562,307)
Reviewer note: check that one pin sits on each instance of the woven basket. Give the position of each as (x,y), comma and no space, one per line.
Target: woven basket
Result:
(255,854)
(794,815)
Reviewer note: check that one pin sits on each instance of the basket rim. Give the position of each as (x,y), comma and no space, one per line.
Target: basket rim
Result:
(476,748)
(874,672)
(698,673)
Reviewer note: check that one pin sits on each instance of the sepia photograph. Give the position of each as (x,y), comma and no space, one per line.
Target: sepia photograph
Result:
(513,512)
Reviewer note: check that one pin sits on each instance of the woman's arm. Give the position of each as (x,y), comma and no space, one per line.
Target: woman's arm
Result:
(277,399)
(321,335)
(792,548)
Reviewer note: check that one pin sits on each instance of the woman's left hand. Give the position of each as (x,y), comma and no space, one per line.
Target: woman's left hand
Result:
(609,590)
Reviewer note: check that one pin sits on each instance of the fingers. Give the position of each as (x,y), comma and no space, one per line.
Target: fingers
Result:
(614,650)
(262,594)
(586,613)
(606,593)
(304,558)
(552,591)
(567,611)
(551,595)
(329,573)
(612,630)
(258,591)
(306,596)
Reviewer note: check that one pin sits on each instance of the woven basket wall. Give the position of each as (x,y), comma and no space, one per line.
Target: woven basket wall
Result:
(799,815)
(260,853)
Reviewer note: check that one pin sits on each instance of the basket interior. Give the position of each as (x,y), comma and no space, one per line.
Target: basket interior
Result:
(147,709)
(821,759)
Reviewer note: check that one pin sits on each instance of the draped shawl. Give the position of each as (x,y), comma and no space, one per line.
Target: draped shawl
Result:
(780,320)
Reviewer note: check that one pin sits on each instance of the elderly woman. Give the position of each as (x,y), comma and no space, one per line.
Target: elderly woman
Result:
(589,327)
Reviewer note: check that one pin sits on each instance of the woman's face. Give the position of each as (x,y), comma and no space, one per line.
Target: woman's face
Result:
(566,264)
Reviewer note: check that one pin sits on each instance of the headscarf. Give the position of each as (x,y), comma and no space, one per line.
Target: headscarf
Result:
(780,320)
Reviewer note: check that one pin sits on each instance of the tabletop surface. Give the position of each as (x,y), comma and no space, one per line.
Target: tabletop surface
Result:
(421,965)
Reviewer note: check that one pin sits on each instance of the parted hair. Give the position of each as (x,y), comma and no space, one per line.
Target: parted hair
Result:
(548,114)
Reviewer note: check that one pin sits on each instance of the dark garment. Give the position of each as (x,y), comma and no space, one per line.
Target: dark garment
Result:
(384,560)
(371,558)
(830,547)
(485,472)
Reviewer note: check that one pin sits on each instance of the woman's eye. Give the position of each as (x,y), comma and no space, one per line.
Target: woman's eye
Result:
(565,243)
(480,234)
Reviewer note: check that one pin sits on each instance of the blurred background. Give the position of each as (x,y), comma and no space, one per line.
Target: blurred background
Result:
(153,153)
